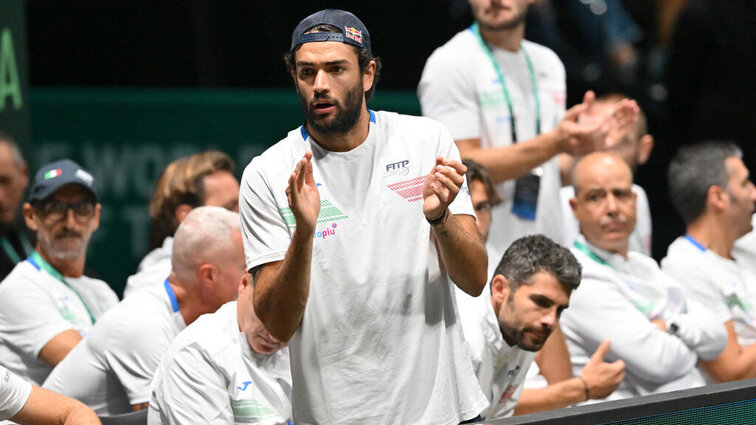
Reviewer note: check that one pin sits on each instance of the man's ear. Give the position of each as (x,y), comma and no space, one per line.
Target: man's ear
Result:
(715,197)
(181,212)
(368,76)
(499,289)
(29,216)
(207,274)
(645,145)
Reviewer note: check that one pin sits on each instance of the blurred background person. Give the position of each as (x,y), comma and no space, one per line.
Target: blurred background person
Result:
(16,240)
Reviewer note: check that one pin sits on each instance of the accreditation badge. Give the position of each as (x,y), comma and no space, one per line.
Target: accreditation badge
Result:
(526,194)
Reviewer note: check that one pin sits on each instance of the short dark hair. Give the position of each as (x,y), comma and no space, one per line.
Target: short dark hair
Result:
(696,168)
(534,253)
(363,59)
(476,172)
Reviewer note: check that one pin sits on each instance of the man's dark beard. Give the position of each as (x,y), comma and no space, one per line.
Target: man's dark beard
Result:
(517,20)
(347,115)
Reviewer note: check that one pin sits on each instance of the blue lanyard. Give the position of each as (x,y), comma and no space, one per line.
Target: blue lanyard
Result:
(476,30)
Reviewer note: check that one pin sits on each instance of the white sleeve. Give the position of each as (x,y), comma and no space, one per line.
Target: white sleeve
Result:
(697,287)
(447,94)
(601,312)
(700,330)
(190,390)
(30,318)
(264,232)
(14,392)
(133,354)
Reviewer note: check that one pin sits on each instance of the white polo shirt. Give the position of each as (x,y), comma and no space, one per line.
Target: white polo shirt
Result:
(112,368)
(460,88)
(211,375)
(380,339)
(500,368)
(37,307)
(14,392)
(724,286)
(616,300)
(153,268)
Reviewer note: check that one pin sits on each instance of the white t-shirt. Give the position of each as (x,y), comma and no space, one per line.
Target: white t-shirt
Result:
(380,339)
(14,392)
(37,307)
(153,268)
(112,368)
(211,375)
(745,248)
(616,300)
(500,368)
(460,88)
(640,240)
(722,285)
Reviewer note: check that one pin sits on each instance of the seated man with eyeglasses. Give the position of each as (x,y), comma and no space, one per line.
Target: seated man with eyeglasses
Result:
(47,304)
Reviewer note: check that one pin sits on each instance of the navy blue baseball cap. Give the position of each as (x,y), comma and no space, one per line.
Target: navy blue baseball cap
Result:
(353,31)
(53,176)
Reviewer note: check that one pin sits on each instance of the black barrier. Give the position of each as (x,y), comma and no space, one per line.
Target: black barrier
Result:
(729,403)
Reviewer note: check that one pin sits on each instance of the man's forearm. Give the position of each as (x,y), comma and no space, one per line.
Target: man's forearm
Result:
(463,254)
(513,161)
(282,288)
(557,396)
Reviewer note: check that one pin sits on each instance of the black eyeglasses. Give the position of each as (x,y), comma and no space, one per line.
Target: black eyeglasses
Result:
(55,210)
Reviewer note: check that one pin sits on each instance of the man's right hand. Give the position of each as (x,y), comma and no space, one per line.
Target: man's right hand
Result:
(580,135)
(303,196)
(601,377)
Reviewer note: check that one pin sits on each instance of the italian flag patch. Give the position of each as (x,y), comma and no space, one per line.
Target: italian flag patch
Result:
(53,173)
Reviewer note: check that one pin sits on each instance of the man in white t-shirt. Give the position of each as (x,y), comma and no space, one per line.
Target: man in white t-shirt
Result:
(112,368)
(633,145)
(504,329)
(354,252)
(625,297)
(711,189)
(48,303)
(503,99)
(24,403)
(205,178)
(224,368)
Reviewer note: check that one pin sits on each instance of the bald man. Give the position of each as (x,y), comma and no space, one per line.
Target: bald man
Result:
(111,370)
(625,297)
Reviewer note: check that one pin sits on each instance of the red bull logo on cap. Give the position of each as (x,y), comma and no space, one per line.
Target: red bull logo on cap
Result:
(353,33)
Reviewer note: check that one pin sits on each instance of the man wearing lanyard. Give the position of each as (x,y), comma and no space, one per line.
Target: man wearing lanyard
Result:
(712,191)
(503,99)
(111,370)
(624,296)
(48,305)
(15,238)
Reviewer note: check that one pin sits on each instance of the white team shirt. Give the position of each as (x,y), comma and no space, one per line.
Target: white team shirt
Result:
(380,339)
(211,375)
(154,267)
(37,307)
(460,88)
(722,285)
(500,368)
(14,392)
(745,248)
(112,368)
(640,240)
(616,300)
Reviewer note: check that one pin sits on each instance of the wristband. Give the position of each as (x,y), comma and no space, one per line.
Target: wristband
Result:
(585,387)
(439,220)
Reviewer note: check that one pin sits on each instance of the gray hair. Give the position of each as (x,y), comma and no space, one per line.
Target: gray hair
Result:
(696,168)
(6,139)
(205,234)
(532,254)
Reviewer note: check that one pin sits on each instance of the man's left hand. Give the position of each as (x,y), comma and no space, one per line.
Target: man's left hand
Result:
(441,186)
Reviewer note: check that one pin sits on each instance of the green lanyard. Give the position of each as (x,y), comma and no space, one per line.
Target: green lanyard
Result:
(11,252)
(36,260)
(587,251)
(476,30)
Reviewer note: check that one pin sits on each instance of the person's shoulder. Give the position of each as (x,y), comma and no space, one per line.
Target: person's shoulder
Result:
(455,53)
(542,54)
(280,156)
(209,334)
(682,252)
(22,276)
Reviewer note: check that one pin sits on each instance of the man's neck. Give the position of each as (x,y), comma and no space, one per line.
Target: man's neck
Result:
(66,267)
(344,142)
(714,235)
(508,39)
(621,249)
